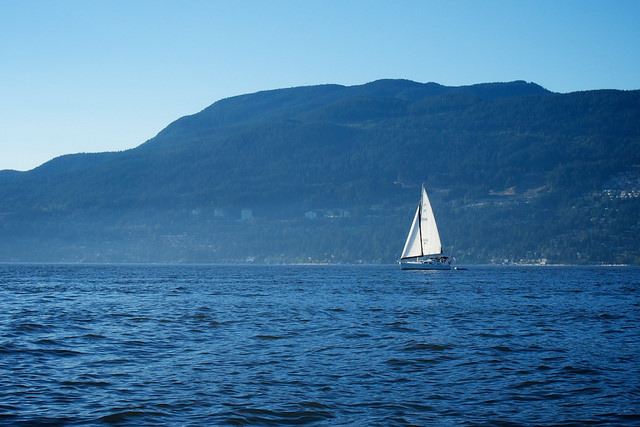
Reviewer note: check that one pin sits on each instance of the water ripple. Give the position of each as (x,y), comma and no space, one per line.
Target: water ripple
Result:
(348,345)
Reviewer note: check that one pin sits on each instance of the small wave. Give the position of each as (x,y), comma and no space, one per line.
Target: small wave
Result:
(252,416)
(427,346)
(610,316)
(268,337)
(12,419)
(216,323)
(357,335)
(400,326)
(316,405)
(503,348)
(30,327)
(529,383)
(413,362)
(133,416)
(579,370)
(398,362)
(91,336)
(135,343)
(140,319)
(60,352)
(81,384)
(493,335)
(9,348)
(47,341)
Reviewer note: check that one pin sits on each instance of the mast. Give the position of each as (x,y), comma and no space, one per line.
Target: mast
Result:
(420,207)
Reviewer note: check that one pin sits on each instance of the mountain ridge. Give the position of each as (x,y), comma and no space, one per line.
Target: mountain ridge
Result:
(354,155)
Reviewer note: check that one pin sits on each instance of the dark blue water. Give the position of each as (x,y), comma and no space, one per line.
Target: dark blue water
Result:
(324,345)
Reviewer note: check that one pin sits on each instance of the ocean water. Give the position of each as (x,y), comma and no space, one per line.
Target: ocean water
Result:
(318,345)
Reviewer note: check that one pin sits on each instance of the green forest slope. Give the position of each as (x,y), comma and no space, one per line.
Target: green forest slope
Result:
(332,174)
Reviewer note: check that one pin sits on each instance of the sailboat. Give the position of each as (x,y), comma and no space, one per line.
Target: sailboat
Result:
(423,250)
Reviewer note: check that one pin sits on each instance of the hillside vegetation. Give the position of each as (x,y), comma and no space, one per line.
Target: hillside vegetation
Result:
(332,173)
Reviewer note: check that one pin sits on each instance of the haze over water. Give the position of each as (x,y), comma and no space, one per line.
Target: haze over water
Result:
(324,345)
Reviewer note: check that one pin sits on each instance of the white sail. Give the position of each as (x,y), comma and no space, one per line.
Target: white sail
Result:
(428,229)
(423,238)
(423,250)
(412,247)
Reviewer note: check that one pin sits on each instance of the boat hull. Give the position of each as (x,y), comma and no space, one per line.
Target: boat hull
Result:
(424,265)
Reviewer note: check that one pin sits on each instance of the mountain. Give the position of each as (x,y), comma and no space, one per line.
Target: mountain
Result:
(332,173)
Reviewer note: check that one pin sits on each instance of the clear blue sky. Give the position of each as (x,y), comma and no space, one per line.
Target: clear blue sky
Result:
(106,75)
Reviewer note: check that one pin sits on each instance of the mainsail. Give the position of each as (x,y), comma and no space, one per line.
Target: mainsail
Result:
(423,238)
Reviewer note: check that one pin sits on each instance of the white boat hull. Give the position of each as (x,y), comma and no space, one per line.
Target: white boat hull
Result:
(424,264)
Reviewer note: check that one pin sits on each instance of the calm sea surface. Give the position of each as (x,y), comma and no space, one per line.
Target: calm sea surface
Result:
(323,345)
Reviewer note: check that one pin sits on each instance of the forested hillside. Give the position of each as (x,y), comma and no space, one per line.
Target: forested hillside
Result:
(332,174)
